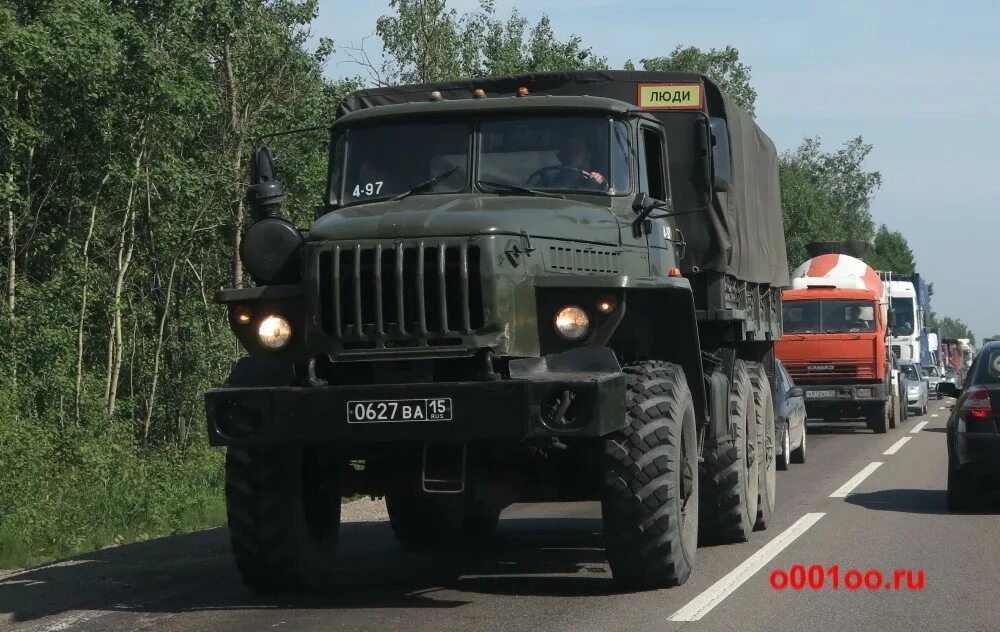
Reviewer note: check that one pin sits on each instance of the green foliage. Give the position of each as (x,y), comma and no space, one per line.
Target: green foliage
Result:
(826,196)
(721,65)
(891,251)
(124,132)
(948,327)
(426,41)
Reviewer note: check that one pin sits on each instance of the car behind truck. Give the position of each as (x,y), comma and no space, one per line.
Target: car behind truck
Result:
(550,287)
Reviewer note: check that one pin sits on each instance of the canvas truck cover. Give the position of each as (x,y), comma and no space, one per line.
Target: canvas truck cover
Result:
(742,234)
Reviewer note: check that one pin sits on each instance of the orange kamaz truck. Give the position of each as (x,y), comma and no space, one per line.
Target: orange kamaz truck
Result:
(835,342)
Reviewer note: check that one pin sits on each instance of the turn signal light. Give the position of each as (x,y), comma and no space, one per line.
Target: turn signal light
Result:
(522,91)
(242,315)
(674,272)
(977,404)
(479,93)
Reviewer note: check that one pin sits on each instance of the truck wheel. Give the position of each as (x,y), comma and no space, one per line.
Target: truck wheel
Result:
(650,499)
(730,482)
(799,453)
(786,448)
(283,506)
(421,522)
(878,418)
(764,415)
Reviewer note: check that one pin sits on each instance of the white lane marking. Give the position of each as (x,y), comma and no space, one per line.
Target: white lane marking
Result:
(919,427)
(714,594)
(856,480)
(69,621)
(894,448)
(934,414)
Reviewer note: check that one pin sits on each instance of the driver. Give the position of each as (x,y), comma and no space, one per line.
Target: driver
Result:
(577,169)
(854,320)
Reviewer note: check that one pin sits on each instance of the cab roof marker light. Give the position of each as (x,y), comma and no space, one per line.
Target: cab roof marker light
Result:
(522,91)
(479,93)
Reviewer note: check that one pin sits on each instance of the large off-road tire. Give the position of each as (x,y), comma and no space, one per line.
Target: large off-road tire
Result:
(878,418)
(729,485)
(650,497)
(766,447)
(283,506)
(421,521)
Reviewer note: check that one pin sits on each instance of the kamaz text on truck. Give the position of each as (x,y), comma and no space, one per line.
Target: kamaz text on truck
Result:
(553,287)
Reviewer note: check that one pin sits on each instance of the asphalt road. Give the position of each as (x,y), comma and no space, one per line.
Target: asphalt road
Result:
(546,569)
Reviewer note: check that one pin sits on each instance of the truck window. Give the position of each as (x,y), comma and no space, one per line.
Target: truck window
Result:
(653,171)
(847,316)
(801,316)
(828,316)
(565,153)
(384,160)
(902,316)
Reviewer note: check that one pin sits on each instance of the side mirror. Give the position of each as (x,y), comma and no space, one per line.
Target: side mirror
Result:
(722,166)
(703,169)
(643,204)
(796,391)
(948,389)
(265,194)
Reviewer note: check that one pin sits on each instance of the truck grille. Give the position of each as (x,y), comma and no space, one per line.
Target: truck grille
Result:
(402,294)
(831,372)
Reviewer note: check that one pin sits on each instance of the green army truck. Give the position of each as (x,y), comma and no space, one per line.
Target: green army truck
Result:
(550,287)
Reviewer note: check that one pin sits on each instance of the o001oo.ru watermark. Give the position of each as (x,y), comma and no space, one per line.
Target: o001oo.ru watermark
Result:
(816,578)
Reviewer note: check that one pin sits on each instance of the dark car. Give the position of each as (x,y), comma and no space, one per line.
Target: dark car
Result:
(974,431)
(789,419)
(948,376)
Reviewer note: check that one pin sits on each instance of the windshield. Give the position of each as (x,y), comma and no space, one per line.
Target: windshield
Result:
(382,161)
(910,371)
(828,316)
(567,153)
(584,154)
(903,316)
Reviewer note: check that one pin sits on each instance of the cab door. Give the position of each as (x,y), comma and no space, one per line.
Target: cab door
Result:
(654,180)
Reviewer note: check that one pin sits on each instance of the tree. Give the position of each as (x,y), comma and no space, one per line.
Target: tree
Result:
(948,327)
(890,251)
(721,65)
(826,196)
(425,41)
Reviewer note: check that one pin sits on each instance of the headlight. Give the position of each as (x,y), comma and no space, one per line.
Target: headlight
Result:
(572,323)
(274,332)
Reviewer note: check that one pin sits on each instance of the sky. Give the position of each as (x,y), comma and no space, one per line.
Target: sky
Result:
(918,80)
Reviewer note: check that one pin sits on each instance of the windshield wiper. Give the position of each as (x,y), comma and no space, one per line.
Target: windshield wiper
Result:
(426,184)
(506,187)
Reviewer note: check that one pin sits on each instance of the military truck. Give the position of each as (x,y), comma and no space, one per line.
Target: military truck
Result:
(550,287)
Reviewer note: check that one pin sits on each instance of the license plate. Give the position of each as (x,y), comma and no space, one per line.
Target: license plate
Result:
(821,393)
(390,410)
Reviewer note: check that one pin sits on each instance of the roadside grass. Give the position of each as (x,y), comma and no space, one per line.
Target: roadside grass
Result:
(62,496)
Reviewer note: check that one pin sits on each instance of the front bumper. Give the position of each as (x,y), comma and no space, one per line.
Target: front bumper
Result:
(845,393)
(517,408)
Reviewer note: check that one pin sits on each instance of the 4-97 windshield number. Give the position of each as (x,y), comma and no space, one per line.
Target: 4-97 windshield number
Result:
(368,188)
